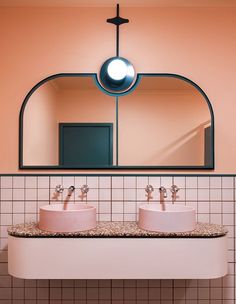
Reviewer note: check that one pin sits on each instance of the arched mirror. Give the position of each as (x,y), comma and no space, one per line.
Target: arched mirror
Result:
(69,122)
(164,121)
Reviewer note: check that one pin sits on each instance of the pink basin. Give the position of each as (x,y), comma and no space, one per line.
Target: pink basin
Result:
(175,218)
(76,217)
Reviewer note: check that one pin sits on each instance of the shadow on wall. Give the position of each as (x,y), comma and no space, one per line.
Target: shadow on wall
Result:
(190,144)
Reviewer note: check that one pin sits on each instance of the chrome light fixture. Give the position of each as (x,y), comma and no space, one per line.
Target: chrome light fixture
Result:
(117,74)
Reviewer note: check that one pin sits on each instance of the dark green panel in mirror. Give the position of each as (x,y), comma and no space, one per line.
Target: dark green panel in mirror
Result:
(165,121)
(86,144)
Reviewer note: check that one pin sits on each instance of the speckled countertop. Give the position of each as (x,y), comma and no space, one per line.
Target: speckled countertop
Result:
(118,229)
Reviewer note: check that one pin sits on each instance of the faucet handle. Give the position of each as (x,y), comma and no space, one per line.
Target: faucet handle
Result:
(174,189)
(59,189)
(84,189)
(149,189)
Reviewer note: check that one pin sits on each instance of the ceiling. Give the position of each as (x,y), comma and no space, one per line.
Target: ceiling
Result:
(74,83)
(124,3)
(164,83)
(147,83)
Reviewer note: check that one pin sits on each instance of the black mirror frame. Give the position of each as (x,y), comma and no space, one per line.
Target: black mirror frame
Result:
(211,166)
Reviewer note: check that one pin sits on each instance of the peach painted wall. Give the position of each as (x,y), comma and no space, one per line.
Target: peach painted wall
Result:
(195,42)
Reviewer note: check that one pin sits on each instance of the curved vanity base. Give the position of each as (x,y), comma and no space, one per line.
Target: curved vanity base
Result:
(117,258)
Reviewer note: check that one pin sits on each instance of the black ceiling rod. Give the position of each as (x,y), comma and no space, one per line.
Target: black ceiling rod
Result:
(117,21)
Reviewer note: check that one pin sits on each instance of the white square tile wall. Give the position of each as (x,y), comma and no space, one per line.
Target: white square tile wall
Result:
(117,198)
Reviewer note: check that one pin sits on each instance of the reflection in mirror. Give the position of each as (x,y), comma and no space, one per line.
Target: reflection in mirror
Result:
(165,121)
(69,122)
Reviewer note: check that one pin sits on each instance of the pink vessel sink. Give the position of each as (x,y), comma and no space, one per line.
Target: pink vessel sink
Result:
(75,217)
(175,218)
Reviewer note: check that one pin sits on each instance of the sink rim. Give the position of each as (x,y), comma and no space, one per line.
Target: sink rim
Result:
(170,208)
(179,218)
(54,218)
(53,207)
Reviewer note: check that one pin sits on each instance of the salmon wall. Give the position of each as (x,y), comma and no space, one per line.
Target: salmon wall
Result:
(197,43)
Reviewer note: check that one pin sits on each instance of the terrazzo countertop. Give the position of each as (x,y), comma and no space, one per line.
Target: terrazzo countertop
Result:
(118,229)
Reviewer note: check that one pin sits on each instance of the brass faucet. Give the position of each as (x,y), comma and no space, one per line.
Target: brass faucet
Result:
(71,189)
(163,195)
